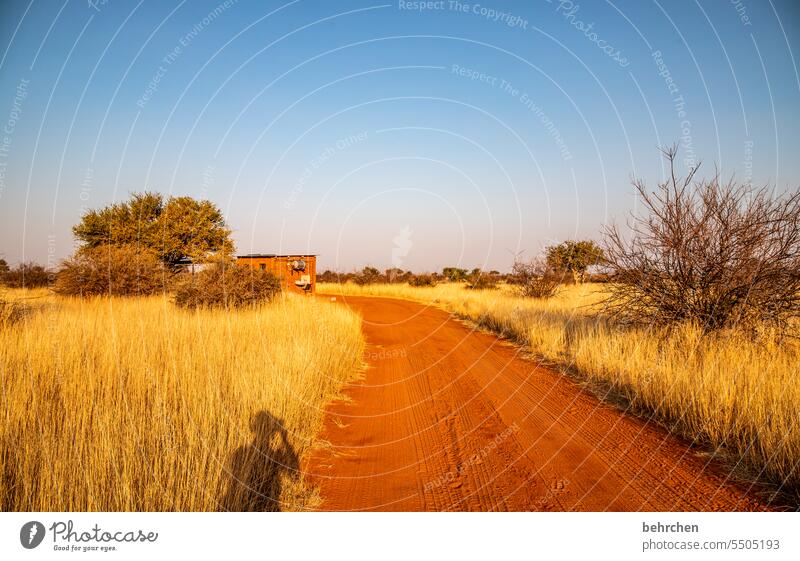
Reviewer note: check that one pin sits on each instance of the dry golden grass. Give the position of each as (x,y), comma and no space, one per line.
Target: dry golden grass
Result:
(739,396)
(136,405)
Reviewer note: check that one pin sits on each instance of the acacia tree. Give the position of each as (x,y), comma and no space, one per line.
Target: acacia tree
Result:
(171,229)
(132,222)
(573,258)
(720,253)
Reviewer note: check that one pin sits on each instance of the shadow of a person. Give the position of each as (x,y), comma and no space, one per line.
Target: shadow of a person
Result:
(255,471)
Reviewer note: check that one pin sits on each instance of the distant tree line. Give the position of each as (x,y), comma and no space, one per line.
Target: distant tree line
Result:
(563,263)
(718,253)
(24,275)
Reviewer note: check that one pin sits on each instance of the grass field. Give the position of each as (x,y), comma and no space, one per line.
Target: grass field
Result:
(739,396)
(136,405)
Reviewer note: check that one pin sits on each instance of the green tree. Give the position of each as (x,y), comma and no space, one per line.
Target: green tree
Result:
(574,257)
(192,228)
(454,274)
(171,229)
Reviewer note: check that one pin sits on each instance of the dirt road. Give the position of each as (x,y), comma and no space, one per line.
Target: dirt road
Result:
(448,418)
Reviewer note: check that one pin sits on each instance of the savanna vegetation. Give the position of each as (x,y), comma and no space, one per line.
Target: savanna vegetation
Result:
(112,270)
(24,275)
(226,285)
(719,253)
(697,326)
(140,384)
(724,390)
(175,389)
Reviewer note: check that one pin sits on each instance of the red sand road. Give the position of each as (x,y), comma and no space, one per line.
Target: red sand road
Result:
(448,418)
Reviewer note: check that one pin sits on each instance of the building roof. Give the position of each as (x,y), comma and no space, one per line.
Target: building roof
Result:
(264,255)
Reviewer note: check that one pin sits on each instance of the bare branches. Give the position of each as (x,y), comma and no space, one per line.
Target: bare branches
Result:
(720,253)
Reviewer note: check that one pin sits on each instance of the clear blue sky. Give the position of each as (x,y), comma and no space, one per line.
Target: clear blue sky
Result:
(385,133)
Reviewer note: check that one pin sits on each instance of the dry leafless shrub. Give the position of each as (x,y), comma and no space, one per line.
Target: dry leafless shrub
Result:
(534,279)
(111,270)
(225,285)
(718,253)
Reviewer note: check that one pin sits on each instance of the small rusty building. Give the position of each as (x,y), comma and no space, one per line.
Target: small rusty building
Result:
(297,273)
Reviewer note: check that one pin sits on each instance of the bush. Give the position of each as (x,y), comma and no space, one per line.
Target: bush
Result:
(478,280)
(534,279)
(716,253)
(454,274)
(422,280)
(368,275)
(226,285)
(26,275)
(111,270)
